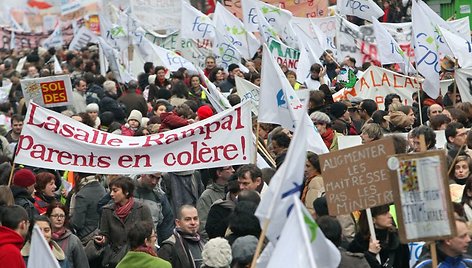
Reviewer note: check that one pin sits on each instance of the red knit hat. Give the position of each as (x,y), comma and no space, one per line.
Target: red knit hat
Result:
(24,178)
(204,112)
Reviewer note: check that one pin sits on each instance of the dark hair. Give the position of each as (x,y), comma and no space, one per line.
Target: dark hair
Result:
(64,208)
(243,221)
(389,99)
(249,196)
(213,73)
(11,216)
(378,117)
(314,160)
(77,81)
(400,144)
(148,66)
(369,106)
(317,98)
(331,228)
(138,233)
(42,179)
(451,130)
(180,90)
(458,115)
(438,120)
(17,118)
(125,183)
(234,99)
(465,196)
(253,170)
(429,135)
(316,67)
(320,206)
(282,139)
(364,225)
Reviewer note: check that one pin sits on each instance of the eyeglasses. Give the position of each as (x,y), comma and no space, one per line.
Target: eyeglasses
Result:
(58,216)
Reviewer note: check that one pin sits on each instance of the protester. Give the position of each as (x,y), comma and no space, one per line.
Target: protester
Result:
(22,188)
(217,254)
(13,230)
(371,132)
(117,219)
(44,191)
(45,225)
(451,251)
(313,187)
(184,248)
(392,252)
(58,214)
(460,172)
(250,178)
(142,254)
(328,134)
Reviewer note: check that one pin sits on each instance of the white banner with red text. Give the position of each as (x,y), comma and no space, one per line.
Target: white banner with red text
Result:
(52,140)
(377,82)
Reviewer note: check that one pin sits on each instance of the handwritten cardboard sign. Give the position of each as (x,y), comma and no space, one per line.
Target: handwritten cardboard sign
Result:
(358,177)
(422,197)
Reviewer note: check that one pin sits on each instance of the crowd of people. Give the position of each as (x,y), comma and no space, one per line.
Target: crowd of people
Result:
(205,218)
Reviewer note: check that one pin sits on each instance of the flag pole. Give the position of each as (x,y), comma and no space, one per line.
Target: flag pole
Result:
(260,243)
(257,140)
(455,84)
(11,173)
(373,236)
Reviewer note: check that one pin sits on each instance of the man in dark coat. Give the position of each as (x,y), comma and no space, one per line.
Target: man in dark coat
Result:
(133,100)
(22,188)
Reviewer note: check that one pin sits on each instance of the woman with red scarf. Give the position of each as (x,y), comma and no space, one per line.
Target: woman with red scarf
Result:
(323,124)
(118,218)
(58,214)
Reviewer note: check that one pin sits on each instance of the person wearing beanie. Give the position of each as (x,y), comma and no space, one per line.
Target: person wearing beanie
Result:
(227,85)
(322,122)
(92,110)
(22,188)
(134,122)
(342,122)
(243,250)
(217,254)
(204,112)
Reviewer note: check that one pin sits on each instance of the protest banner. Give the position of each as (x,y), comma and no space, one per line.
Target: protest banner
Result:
(51,91)
(307,9)
(168,10)
(52,140)
(283,54)
(377,82)
(422,198)
(357,178)
(30,40)
(82,38)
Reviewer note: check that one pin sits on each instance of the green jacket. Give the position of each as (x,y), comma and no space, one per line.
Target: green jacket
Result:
(142,260)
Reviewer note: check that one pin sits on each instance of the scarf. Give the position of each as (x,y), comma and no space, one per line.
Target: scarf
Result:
(45,198)
(187,236)
(59,233)
(146,249)
(122,211)
(328,137)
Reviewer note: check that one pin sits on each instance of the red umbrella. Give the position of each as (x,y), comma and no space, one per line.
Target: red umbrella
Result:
(39,4)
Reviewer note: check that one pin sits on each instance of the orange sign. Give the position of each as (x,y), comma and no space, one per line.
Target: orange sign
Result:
(54,92)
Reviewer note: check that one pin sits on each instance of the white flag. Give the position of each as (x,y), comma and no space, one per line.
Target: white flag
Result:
(112,57)
(57,66)
(266,30)
(243,40)
(281,104)
(249,10)
(82,38)
(364,9)
(55,39)
(248,91)
(463,77)
(308,56)
(13,40)
(216,98)
(303,244)
(286,182)
(226,53)
(170,59)
(195,24)
(388,49)
(461,48)
(426,50)
(40,253)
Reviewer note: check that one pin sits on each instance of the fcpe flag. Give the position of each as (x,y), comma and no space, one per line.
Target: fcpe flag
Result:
(426,50)
(281,104)
(302,243)
(40,255)
(364,9)
(388,49)
(195,24)
(460,47)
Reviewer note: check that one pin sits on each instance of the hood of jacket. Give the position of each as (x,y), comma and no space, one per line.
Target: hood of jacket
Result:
(56,250)
(9,236)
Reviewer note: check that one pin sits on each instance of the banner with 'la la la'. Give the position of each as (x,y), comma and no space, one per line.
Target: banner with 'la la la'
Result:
(52,140)
(51,91)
